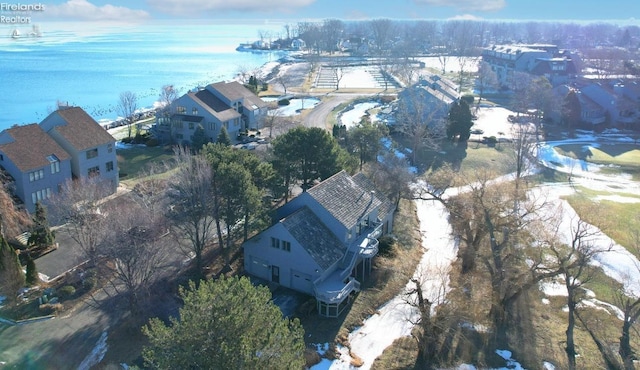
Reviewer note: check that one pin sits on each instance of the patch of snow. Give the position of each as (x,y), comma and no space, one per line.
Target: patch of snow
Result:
(475,327)
(511,363)
(553,288)
(617,199)
(545,301)
(43,277)
(295,106)
(351,117)
(96,355)
(548,366)
(324,364)
(392,320)
(603,306)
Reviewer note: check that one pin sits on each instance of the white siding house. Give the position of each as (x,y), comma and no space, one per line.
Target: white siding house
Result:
(323,241)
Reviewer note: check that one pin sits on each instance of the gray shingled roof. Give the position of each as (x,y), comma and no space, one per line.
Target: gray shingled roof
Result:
(344,198)
(314,237)
(386,206)
(214,105)
(82,131)
(30,147)
(235,91)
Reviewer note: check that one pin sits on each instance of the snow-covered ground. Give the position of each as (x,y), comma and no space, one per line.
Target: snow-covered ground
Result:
(392,320)
(296,105)
(351,117)
(380,330)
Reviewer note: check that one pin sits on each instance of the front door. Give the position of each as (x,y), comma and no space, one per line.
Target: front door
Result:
(275,274)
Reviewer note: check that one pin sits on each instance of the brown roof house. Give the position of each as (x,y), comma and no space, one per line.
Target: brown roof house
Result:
(222,104)
(323,241)
(38,164)
(91,147)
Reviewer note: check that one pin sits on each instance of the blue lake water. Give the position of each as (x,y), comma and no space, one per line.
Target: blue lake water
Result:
(91,69)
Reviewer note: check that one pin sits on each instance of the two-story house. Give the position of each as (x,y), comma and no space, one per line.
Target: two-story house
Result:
(591,113)
(430,99)
(558,66)
(222,104)
(621,110)
(91,147)
(323,241)
(38,165)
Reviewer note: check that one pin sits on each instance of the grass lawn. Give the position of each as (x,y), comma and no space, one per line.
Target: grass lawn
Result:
(620,154)
(616,219)
(133,161)
(466,159)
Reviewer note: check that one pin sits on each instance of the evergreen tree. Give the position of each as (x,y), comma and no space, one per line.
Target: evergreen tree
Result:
(459,121)
(199,139)
(41,234)
(308,154)
(571,110)
(11,276)
(223,137)
(32,272)
(225,324)
(364,140)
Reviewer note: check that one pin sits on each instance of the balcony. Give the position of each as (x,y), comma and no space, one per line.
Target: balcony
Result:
(335,290)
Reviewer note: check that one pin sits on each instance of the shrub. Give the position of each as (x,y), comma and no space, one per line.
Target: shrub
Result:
(468,98)
(284,102)
(89,282)
(152,142)
(491,141)
(385,248)
(49,308)
(127,140)
(66,291)
(387,99)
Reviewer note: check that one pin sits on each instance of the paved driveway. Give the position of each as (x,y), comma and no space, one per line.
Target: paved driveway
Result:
(62,259)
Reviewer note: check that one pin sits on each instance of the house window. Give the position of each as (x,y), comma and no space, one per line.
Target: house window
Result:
(191,125)
(286,246)
(39,195)
(181,109)
(179,136)
(109,166)
(194,111)
(177,124)
(92,153)
(55,163)
(109,148)
(36,175)
(275,243)
(93,171)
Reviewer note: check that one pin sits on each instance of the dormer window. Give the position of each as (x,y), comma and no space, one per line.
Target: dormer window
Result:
(55,163)
(194,111)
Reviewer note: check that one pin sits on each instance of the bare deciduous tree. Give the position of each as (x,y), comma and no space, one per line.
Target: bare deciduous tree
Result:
(136,250)
(168,93)
(571,258)
(427,294)
(79,207)
(127,106)
(191,211)
(418,119)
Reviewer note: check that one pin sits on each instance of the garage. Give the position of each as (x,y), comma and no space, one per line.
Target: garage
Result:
(260,268)
(301,282)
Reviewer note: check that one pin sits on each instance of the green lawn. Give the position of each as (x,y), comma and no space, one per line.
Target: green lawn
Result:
(618,154)
(616,219)
(133,161)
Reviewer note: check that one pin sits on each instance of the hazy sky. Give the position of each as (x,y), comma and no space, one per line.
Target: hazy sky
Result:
(297,10)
